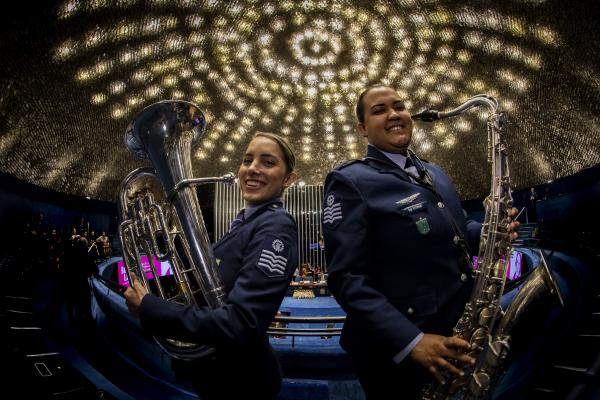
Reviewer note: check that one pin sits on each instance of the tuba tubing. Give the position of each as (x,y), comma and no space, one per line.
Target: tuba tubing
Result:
(162,202)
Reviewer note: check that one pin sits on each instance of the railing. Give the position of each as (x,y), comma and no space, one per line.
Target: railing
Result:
(285,331)
(276,329)
(112,285)
(280,319)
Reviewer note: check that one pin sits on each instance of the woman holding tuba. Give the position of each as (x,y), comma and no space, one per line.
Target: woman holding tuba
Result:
(256,259)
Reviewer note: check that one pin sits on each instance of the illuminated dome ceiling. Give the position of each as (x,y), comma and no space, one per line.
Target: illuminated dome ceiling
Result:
(75,73)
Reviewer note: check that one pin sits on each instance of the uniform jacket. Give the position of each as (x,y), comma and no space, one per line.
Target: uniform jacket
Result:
(256,262)
(393,262)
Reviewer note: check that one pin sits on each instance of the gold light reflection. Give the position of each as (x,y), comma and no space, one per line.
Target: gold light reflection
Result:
(99,98)
(297,67)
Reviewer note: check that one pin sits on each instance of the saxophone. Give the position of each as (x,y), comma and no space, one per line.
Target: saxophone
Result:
(476,325)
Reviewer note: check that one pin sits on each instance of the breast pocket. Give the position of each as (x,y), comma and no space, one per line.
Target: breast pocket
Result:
(417,216)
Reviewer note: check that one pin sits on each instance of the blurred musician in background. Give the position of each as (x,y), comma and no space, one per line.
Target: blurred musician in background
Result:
(306,272)
(104,245)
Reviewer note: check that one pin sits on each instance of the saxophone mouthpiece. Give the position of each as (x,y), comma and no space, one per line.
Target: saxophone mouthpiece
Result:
(429,115)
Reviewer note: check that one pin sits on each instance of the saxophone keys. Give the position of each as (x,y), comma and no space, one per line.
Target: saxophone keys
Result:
(478,338)
(498,351)
(479,383)
(485,317)
(457,384)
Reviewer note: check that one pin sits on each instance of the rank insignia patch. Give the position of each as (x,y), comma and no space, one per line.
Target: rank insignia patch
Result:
(332,211)
(273,257)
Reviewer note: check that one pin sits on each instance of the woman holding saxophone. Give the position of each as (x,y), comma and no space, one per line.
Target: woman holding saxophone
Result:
(257,259)
(397,255)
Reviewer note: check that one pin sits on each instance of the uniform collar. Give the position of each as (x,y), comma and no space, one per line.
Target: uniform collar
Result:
(398,159)
(254,212)
(385,164)
(373,153)
(249,211)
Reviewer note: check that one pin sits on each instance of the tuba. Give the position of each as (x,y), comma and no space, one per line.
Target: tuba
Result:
(490,346)
(161,216)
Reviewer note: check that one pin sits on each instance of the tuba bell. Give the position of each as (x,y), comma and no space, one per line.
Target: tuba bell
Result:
(161,216)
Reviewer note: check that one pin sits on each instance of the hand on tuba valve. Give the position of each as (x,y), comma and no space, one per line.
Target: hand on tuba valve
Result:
(134,295)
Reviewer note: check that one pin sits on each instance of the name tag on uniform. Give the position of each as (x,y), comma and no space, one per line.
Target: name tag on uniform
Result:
(412,208)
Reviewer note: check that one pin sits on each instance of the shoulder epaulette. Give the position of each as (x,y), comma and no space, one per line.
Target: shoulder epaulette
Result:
(344,164)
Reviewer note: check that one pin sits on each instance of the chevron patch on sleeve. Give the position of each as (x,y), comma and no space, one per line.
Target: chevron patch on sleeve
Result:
(273,257)
(332,211)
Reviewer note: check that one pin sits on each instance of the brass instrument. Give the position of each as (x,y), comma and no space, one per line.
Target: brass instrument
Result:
(161,215)
(490,347)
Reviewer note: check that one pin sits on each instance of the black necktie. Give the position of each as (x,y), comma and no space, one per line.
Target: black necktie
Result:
(410,168)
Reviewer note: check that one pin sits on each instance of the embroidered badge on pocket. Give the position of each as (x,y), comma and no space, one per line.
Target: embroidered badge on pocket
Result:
(423,226)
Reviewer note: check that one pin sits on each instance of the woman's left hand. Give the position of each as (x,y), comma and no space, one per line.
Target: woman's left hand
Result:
(134,295)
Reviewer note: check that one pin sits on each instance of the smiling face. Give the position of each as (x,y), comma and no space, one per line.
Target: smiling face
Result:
(263,174)
(387,124)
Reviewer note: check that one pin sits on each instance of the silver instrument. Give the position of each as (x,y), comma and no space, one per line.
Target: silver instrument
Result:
(476,325)
(161,215)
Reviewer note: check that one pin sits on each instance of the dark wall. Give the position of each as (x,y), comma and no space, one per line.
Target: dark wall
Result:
(566,211)
(21,202)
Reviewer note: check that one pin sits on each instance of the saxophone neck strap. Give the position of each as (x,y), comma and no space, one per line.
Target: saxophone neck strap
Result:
(424,176)
(462,241)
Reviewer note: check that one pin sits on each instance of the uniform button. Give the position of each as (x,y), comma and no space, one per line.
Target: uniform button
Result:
(440,204)
(463,277)
(410,311)
(456,239)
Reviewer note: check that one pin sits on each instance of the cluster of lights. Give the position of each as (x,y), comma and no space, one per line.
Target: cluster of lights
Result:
(297,67)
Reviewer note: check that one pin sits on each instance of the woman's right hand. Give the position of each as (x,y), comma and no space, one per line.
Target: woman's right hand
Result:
(434,351)
(134,295)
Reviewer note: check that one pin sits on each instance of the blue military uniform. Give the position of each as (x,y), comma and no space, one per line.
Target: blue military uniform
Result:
(394,255)
(256,261)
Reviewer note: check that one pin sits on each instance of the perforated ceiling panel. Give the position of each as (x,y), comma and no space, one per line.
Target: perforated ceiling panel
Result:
(75,73)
